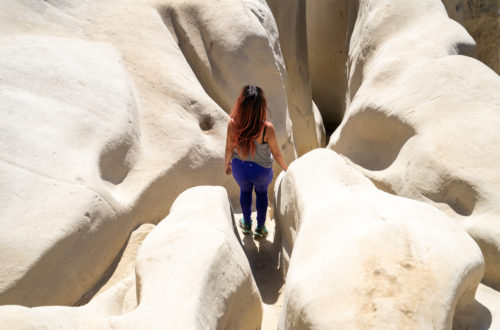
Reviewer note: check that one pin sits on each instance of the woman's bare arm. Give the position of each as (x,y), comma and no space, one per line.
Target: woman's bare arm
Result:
(229,148)
(273,145)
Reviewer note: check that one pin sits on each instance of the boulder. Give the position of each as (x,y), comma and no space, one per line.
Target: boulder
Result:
(232,44)
(423,119)
(191,273)
(105,123)
(69,131)
(365,258)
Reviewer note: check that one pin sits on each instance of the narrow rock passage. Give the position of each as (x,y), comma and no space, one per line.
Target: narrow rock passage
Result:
(264,258)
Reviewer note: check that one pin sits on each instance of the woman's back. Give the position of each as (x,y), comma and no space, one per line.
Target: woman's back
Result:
(262,155)
(250,147)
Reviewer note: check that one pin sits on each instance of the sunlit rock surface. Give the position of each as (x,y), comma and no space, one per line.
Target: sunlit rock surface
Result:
(327,27)
(111,109)
(423,119)
(191,273)
(105,121)
(291,20)
(362,257)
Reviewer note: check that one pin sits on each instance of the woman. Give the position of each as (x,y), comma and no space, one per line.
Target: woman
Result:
(250,142)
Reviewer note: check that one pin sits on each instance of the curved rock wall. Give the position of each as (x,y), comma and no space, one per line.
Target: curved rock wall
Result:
(421,114)
(367,258)
(105,124)
(71,121)
(291,20)
(230,45)
(111,109)
(327,27)
(191,273)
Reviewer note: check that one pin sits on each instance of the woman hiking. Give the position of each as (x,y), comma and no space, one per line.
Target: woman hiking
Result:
(250,147)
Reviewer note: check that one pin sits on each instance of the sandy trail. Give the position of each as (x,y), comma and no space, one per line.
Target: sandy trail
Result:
(264,258)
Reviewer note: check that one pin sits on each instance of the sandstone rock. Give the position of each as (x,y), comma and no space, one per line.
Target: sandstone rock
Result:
(112,108)
(232,44)
(69,129)
(320,127)
(483,313)
(481,18)
(365,258)
(191,273)
(291,20)
(106,123)
(423,120)
(327,24)
(193,257)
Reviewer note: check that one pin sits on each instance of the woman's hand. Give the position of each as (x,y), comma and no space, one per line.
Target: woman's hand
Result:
(228,169)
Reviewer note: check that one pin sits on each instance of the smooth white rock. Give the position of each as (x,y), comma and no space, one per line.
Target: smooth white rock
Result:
(191,273)
(69,129)
(327,26)
(229,45)
(366,259)
(291,20)
(423,120)
(105,124)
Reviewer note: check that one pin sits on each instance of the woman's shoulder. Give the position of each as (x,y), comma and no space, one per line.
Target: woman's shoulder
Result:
(230,124)
(269,126)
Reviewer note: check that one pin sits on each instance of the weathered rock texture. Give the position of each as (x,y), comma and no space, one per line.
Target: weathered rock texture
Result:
(111,109)
(191,273)
(70,130)
(481,18)
(366,258)
(291,20)
(230,45)
(124,268)
(327,25)
(105,122)
(423,120)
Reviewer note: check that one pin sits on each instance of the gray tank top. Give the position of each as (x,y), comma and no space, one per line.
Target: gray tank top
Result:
(262,157)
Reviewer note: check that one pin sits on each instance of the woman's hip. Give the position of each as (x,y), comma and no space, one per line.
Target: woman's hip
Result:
(251,171)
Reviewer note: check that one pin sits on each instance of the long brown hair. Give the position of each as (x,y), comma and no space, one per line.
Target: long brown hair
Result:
(248,117)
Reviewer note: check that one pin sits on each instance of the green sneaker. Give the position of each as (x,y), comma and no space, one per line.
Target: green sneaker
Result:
(245,227)
(261,231)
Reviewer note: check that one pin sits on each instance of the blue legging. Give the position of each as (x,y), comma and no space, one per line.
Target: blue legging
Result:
(249,175)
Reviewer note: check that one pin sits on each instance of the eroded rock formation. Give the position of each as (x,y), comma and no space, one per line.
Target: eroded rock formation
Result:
(71,121)
(368,255)
(226,56)
(111,109)
(417,107)
(327,27)
(106,123)
(308,125)
(191,273)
